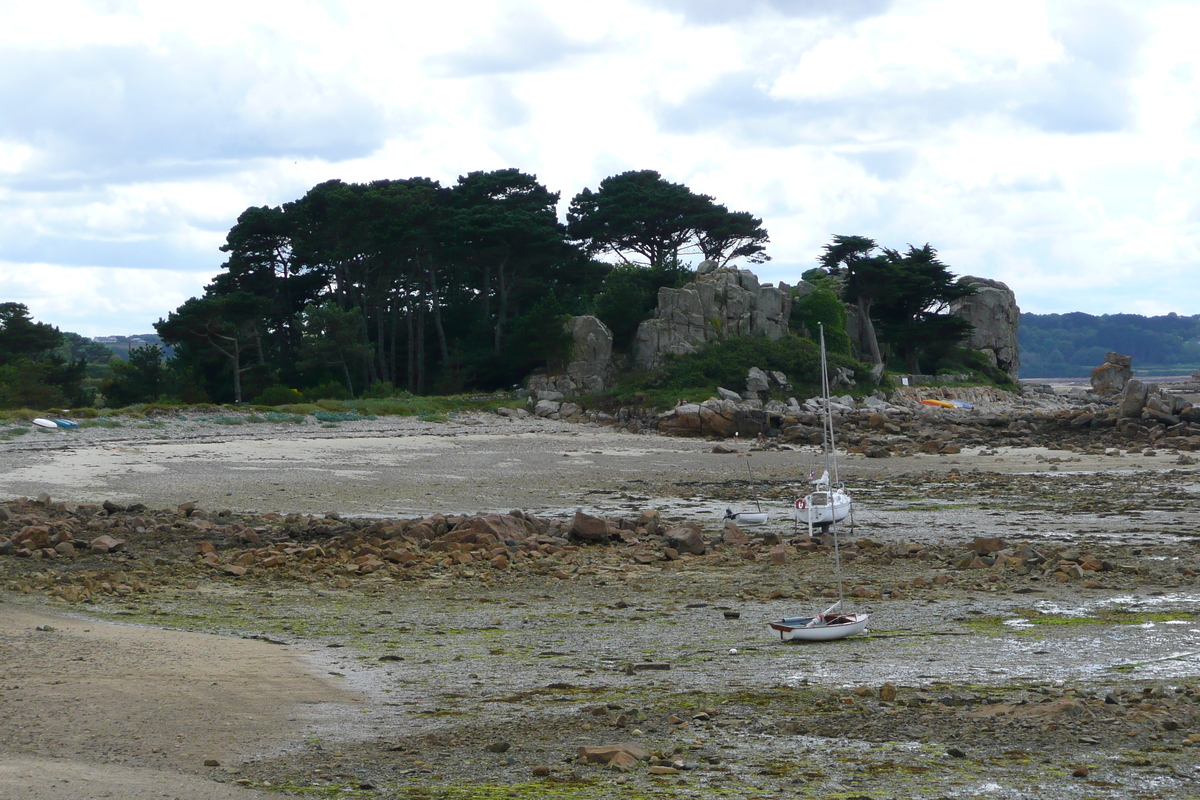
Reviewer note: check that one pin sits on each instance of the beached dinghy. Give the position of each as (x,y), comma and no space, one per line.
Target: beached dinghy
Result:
(748,518)
(832,623)
(823,627)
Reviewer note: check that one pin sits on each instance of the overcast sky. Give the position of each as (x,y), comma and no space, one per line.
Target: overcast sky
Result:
(1052,145)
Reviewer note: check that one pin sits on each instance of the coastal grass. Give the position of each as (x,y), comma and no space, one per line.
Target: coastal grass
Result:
(426,409)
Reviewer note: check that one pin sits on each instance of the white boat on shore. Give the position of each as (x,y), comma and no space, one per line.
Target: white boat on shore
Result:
(826,503)
(827,500)
(824,627)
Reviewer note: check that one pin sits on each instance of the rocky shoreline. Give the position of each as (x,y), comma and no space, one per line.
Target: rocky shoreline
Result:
(1032,585)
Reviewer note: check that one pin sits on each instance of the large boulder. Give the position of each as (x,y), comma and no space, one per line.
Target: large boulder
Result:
(686,538)
(719,304)
(757,381)
(683,420)
(993,312)
(1133,397)
(586,528)
(591,353)
(589,369)
(1110,378)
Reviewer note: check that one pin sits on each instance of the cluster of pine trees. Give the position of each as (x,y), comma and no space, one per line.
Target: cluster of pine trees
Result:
(415,286)
(410,286)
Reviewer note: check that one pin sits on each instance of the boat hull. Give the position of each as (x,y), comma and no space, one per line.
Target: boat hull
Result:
(835,509)
(804,628)
(750,518)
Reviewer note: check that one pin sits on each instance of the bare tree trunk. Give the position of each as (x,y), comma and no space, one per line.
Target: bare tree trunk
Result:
(436,303)
(868,328)
(421,349)
(234,354)
(258,347)
(349,380)
(501,309)
(412,352)
(487,291)
(237,373)
(381,349)
(394,319)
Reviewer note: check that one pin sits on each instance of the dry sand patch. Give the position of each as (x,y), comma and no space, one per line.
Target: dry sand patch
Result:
(91,704)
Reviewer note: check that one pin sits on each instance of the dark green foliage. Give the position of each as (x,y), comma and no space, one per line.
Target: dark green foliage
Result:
(420,286)
(278,395)
(822,307)
(960,361)
(629,295)
(141,379)
(902,298)
(331,344)
(49,383)
(223,333)
(21,337)
(726,363)
(1072,345)
(79,348)
(32,374)
(642,219)
(539,337)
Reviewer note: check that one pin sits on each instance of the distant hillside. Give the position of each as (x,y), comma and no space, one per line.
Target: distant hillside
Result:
(121,345)
(1072,345)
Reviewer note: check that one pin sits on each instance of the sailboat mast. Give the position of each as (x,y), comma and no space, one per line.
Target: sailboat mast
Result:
(837,562)
(827,425)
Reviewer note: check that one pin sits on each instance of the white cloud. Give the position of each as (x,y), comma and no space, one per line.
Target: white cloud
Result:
(98,301)
(1052,145)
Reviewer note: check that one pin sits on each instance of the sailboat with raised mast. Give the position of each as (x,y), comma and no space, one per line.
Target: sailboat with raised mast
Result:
(827,503)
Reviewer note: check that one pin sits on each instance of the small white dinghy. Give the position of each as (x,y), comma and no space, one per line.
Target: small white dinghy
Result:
(746,518)
(824,505)
(828,625)
(823,627)
(45,423)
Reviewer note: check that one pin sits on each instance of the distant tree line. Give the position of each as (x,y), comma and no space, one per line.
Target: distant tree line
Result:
(33,371)
(414,286)
(373,289)
(1072,345)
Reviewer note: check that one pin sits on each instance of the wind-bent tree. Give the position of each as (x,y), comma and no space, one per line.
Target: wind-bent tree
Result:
(866,275)
(913,310)
(262,262)
(228,326)
(724,235)
(908,294)
(640,218)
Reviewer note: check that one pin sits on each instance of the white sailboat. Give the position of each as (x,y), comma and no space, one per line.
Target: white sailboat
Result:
(827,503)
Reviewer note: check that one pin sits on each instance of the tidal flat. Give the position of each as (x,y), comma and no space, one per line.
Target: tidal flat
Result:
(464,679)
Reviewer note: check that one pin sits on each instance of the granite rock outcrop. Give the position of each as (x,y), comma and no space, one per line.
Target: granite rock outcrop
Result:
(720,304)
